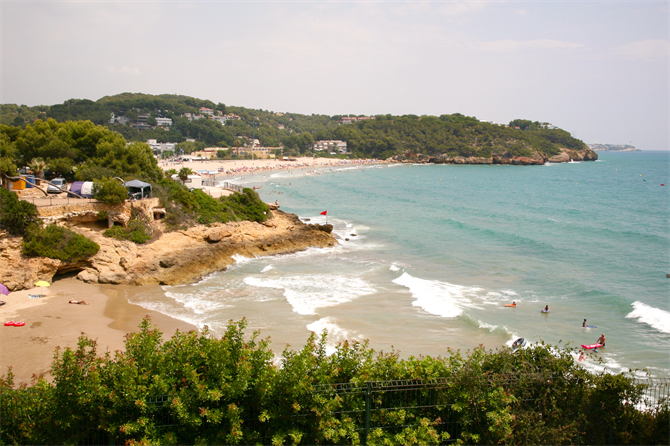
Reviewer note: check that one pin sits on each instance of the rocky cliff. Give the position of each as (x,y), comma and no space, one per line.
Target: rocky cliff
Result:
(537,158)
(174,258)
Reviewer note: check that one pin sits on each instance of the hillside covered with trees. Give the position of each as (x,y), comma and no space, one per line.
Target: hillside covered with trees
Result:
(381,136)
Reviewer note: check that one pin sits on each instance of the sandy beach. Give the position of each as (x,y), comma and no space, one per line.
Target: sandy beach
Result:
(214,171)
(50,322)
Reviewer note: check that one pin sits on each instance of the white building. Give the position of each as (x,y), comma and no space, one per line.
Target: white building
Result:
(163,122)
(161,147)
(331,146)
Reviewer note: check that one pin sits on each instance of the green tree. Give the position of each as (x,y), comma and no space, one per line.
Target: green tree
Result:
(110,191)
(38,166)
(16,216)
(184,172)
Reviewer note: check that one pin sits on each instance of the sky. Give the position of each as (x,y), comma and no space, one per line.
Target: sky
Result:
(596,69)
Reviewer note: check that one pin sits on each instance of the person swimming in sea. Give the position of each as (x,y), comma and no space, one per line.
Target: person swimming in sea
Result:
(584,324)
(601,340)
(546,309)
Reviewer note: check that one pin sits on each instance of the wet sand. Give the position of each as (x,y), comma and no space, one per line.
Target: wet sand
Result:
(50,322)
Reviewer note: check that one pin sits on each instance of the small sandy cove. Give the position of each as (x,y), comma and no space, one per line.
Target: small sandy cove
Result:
(51,321)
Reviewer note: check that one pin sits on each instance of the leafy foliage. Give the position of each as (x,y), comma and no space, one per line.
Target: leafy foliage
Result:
(16,216)
(94,151)
(199,389)
(110,191)
(56,242)
(184,208)
(138,229)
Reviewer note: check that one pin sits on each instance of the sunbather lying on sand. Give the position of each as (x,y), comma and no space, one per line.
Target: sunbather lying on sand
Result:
(78,302)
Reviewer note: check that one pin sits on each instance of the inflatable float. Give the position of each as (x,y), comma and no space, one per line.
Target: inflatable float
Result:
(544,311)
(590,346)
(510,305)
(14,324)
(589,326)
(519,343)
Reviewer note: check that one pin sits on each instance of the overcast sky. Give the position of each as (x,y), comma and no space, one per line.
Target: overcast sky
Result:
(596,69)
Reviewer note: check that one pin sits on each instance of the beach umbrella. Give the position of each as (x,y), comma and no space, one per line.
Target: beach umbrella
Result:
(42,283)
(4,290)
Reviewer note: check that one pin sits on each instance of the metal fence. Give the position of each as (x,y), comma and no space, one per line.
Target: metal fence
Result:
(232,186)
(372,406)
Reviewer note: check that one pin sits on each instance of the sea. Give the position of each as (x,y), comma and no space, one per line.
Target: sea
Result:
(429,255)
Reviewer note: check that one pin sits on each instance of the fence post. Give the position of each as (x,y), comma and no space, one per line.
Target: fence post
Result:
(610,436)
(368,397)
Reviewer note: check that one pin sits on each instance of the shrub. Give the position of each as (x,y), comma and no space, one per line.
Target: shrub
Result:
(247,205)
(16,216)
(110,191)
(59,243)
(138,231)
(184,207)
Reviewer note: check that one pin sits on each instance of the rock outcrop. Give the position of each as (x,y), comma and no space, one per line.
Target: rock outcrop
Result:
(174,258)
(535,159)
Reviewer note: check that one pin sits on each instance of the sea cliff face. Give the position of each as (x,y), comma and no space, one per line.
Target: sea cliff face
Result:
(537,158)
(174,258)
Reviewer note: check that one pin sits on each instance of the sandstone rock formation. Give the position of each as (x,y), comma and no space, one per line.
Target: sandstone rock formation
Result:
(174,258)
(536,158)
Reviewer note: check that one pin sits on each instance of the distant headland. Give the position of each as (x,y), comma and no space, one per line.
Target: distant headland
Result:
(612,148)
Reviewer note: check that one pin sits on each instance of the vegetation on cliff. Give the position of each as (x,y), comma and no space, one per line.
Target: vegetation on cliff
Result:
(138,230)
(199,389)
(381,137)
(185,208)
(56,242)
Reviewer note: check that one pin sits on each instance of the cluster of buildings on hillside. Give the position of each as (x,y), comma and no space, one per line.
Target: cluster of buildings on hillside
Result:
(350,119)
(256,151)
(141,123)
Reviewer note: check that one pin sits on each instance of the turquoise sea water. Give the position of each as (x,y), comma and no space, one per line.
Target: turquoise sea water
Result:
(435,251)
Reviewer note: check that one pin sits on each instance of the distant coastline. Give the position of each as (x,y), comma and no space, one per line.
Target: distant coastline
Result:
(613,148)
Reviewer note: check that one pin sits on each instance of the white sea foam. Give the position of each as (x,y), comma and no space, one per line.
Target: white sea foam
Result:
(308,292)
(336,334)
(654,317)
(267,268)
(394,268)
(438,298)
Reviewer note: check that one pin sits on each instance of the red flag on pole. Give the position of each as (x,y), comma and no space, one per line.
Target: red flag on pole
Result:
(324,213)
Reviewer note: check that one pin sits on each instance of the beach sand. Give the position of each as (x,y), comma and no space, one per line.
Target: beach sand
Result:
(248,168)
(50,321)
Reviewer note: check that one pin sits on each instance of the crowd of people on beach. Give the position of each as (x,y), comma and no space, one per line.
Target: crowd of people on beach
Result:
(260,166)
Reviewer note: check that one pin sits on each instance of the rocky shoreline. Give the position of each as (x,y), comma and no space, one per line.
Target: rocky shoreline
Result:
(173,258)
(537,158)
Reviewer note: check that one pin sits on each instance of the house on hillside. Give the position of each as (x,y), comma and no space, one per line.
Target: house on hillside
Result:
(331,146)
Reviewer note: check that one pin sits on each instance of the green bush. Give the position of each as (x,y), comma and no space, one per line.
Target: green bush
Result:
(138,230)
(228,391)
(56,242)
(184,208)
(110,191)
(16,216)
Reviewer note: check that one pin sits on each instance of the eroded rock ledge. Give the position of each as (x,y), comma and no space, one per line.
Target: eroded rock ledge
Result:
(537,158)
(174,258)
